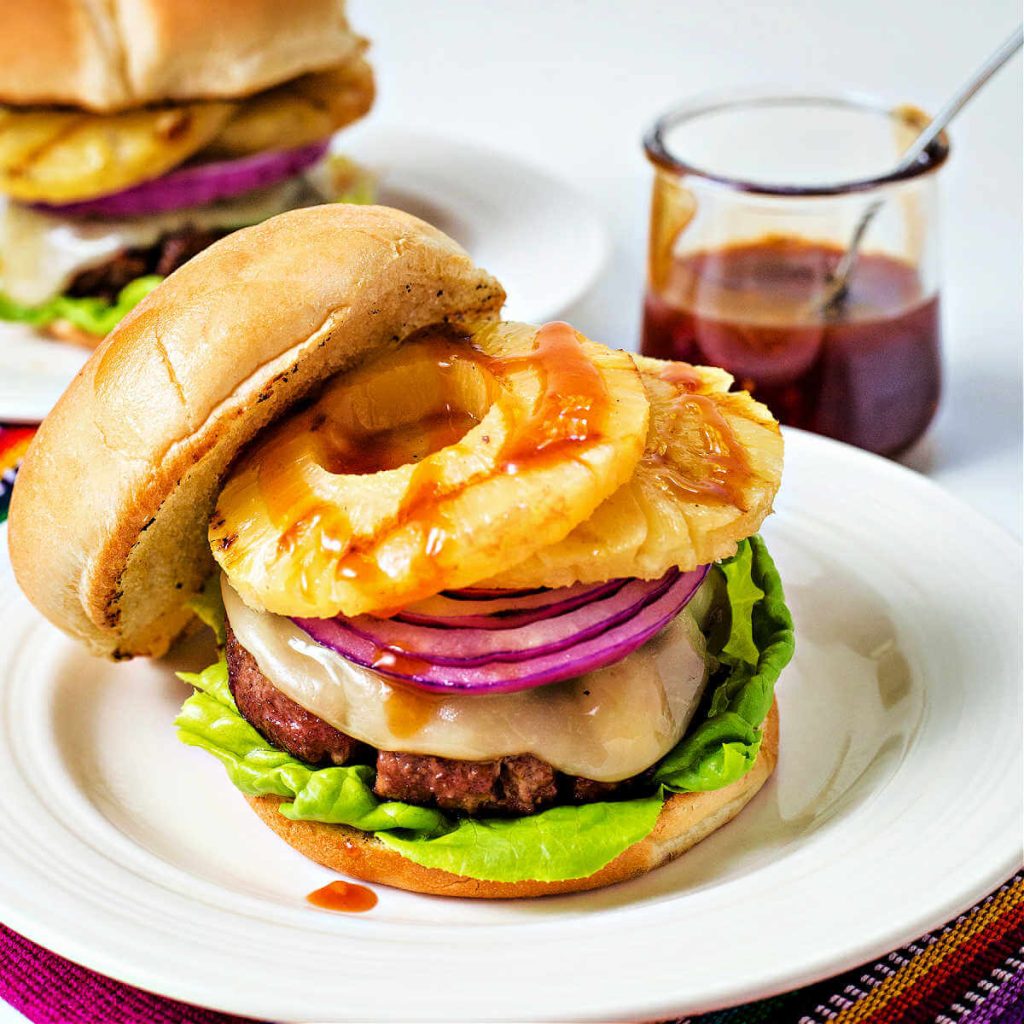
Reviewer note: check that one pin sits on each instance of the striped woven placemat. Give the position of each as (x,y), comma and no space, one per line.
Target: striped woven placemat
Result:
(13,442)
(971,971)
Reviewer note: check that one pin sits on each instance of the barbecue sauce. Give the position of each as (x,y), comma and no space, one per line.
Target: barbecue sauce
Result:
(725,468)
(407,710)
(346,897)
(866,372)
(572,405)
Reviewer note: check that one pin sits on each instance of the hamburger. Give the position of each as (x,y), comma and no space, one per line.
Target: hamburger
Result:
(134,134)
(493,616)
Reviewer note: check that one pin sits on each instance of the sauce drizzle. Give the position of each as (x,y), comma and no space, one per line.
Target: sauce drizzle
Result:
(573,403)
(407,710)
(575,397)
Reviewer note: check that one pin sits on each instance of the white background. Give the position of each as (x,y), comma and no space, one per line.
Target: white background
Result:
(570,85)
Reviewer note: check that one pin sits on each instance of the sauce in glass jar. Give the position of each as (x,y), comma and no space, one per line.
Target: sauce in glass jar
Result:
(755,200)
(866,372)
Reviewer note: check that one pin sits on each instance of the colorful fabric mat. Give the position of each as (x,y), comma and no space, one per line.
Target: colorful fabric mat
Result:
(13,442)
(969,972)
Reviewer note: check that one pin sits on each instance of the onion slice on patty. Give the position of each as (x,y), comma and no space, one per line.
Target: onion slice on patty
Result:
(503,609)
(568,643)
(196,184)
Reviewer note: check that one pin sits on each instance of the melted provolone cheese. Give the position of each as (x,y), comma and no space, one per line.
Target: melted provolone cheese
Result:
(41,253)
(606,725)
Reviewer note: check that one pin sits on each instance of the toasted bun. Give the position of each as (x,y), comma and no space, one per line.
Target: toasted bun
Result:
(685,820)
(124,53)
(108,522)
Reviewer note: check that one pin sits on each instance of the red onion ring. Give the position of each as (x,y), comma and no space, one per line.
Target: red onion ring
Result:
(490,593)
(506,611)
(515,670)
(196,185)
(478,646)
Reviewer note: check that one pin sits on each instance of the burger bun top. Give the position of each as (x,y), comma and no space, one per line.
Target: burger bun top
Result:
(126,53)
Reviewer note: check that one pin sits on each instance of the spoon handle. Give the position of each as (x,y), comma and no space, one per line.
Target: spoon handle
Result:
(839,279)
(957,102)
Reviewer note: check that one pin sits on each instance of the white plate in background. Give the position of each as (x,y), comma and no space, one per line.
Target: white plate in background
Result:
(540,237)
(896,804)
(34,371)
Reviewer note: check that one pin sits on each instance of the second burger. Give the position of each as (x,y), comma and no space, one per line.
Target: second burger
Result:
(134,136)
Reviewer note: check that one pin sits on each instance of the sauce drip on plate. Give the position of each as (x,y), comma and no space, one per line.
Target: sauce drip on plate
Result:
(345,897)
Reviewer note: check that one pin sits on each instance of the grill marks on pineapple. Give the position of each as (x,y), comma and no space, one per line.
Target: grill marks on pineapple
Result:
(59,156)
(722,475)
(22,164)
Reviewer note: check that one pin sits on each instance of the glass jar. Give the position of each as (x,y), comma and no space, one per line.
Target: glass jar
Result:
(756,200)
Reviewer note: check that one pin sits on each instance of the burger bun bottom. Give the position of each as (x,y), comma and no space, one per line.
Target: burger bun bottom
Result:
(685,820)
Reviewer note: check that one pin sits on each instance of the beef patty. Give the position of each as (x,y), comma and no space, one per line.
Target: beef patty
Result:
(517,785)
(169,253)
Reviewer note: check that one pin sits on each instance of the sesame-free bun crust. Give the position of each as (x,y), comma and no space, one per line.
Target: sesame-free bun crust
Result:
(108,523)
(124,53)
(685,820)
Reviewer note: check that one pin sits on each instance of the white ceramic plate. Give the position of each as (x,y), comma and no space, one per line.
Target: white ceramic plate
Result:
(896,804)
(34,371)
(536,234)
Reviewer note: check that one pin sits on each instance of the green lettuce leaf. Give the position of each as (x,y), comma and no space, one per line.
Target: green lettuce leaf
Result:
(744,594)
(97,316)
(352,183)
(563,842)
(338,796)
(560,843)
(757,647)
(212,681)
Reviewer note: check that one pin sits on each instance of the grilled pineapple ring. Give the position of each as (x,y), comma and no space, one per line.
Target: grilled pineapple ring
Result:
(343,507)
(58,156)
(709,473)
(300,112)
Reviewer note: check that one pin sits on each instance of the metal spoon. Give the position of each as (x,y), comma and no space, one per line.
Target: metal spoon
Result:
(839,279)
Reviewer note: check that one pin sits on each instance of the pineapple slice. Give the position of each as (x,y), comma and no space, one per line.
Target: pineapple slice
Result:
(369,499)
(707,479)
(59,156)
(300,112)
